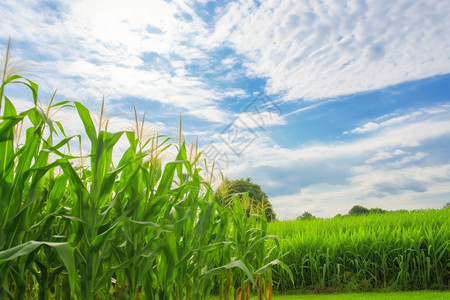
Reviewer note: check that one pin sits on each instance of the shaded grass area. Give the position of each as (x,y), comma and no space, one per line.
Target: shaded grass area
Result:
(418,295)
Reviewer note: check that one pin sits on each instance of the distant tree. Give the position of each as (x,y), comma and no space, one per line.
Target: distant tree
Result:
(377,211)
(447,205)
(306,216)
(258,199)
(358,210)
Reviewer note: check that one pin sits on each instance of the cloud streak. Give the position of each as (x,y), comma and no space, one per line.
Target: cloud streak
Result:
(142,50)
(371,170)
(313,49)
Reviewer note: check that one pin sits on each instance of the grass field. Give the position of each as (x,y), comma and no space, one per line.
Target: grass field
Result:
(422,295)
(397,250)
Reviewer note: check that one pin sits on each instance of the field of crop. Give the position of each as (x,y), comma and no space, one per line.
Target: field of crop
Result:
(391,251)
(138,229)
(417,295)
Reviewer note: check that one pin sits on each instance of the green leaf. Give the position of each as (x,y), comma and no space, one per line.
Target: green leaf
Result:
(33,86)
(261,240)
(64,250)
(89,127)
(237,264)
(66,254)
(57,193)
(62,103)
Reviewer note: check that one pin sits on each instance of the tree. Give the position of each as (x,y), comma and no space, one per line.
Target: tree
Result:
(377,211)
(306,216)
(358,210)
(447,205)
(225,193)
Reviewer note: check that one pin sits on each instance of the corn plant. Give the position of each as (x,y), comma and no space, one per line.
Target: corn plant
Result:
(141,228)
(24,171)
(398,250)
(251,251)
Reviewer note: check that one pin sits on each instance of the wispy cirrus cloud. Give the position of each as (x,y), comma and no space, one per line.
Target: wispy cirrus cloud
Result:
(314,49)
(390,120)
(141,49)
(304,49)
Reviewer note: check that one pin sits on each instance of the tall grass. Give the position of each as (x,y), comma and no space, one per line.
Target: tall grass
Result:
(399,251)
(138,229)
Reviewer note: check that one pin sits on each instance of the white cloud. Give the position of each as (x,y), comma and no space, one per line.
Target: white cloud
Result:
(210,113)
(261,151)
(386,169)
(383,154)
(410,135)
(313,49)
(361,169)
(411,188)
(410,158)
(228,62)
(261,120)
(305,49)
(140,49)
(391,121)
(370,126)
(380,155)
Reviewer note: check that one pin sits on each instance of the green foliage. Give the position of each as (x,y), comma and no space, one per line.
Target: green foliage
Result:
(139,229)
(358,210)
(258,200)
(377,211)
(417,295)
(306,216)
(395,250)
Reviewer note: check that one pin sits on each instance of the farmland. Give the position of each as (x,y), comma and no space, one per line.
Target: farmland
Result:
(81,226)
(435,295)
(391,251)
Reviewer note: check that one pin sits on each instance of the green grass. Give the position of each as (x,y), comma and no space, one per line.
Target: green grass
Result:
(421,295)
(399,251)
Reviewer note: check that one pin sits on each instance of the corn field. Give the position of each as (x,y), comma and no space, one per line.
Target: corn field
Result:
(397,251)
(138,229)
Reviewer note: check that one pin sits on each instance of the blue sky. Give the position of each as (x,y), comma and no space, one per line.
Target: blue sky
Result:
(325,104)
